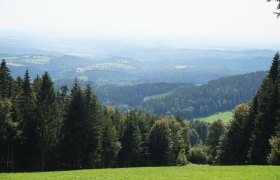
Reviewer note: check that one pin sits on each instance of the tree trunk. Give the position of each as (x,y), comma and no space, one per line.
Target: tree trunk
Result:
(12,167)
(7,160)
(42,143)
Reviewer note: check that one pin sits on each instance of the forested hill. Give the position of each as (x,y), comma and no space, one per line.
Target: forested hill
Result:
(218,95)
(43,129)
(130,97)
(184,99)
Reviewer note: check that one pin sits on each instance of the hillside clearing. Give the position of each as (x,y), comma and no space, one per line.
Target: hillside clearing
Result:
(224,116)
(158,96)
(184,172)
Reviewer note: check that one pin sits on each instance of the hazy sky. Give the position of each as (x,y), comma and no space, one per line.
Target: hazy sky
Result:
(244,20)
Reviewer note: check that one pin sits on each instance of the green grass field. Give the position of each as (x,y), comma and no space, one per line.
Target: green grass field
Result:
(224,116)
(157,96)
(184,172)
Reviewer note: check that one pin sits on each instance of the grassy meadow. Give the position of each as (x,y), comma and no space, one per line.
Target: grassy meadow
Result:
(224,116)
(158,96)
(184,172)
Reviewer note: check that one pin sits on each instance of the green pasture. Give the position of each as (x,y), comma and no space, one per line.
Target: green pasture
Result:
(224,116)
(183,172)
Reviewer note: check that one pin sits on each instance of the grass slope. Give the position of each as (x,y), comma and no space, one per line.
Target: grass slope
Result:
(185,172)
(224,116)
(158,96)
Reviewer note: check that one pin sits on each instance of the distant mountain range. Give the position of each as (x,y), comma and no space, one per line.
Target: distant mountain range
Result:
(148,78)
(172,66)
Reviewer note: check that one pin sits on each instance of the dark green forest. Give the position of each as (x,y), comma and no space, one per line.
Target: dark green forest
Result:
(132,96)
(216,96)
(183,99)
(46,129)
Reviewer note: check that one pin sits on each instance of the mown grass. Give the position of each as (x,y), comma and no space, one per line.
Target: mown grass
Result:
(224,116)
(184,172)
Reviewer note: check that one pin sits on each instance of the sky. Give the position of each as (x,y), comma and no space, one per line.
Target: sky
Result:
(203,20)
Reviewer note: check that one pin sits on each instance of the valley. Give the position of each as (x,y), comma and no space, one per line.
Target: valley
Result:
(128,64)
(152,80)
(139,89)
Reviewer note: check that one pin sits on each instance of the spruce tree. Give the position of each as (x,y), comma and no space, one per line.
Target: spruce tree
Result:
(36,84)
(267,115)
(8,134)
(74,129)
(274,69)
(231,145)
(248,129)
(28,123)
(92,125)
(264,123)
(131,142)
(6,81)
(108,145)
(63,99)
(49,122)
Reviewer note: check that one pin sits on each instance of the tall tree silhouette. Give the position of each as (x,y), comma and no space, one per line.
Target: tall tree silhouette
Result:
(49,121)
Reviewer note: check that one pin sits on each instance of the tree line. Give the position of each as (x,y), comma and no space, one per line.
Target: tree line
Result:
(44,129)
(186,100)
(251,137)
(198,101)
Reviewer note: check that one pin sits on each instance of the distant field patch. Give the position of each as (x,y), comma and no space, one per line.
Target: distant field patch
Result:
(23,60)
(184,172)
(224,116)
(157,96)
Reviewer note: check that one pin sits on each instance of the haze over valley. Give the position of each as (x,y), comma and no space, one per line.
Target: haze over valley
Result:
(87,84)
(117,62)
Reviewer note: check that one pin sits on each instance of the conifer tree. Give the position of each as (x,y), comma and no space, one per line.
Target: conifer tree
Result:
(92,125)
(267,116)
(8,134)
(248,130)
(18,87)
(37,84)
(108,145)
(49,122)
(131,142)
(264,123)
(63,99)
(6,81)
(74,129)
(28,123)
(231,146)
(274,69)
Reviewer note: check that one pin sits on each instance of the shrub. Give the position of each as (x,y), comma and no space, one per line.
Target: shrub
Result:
(198,155)
(182,159)
(274,155)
